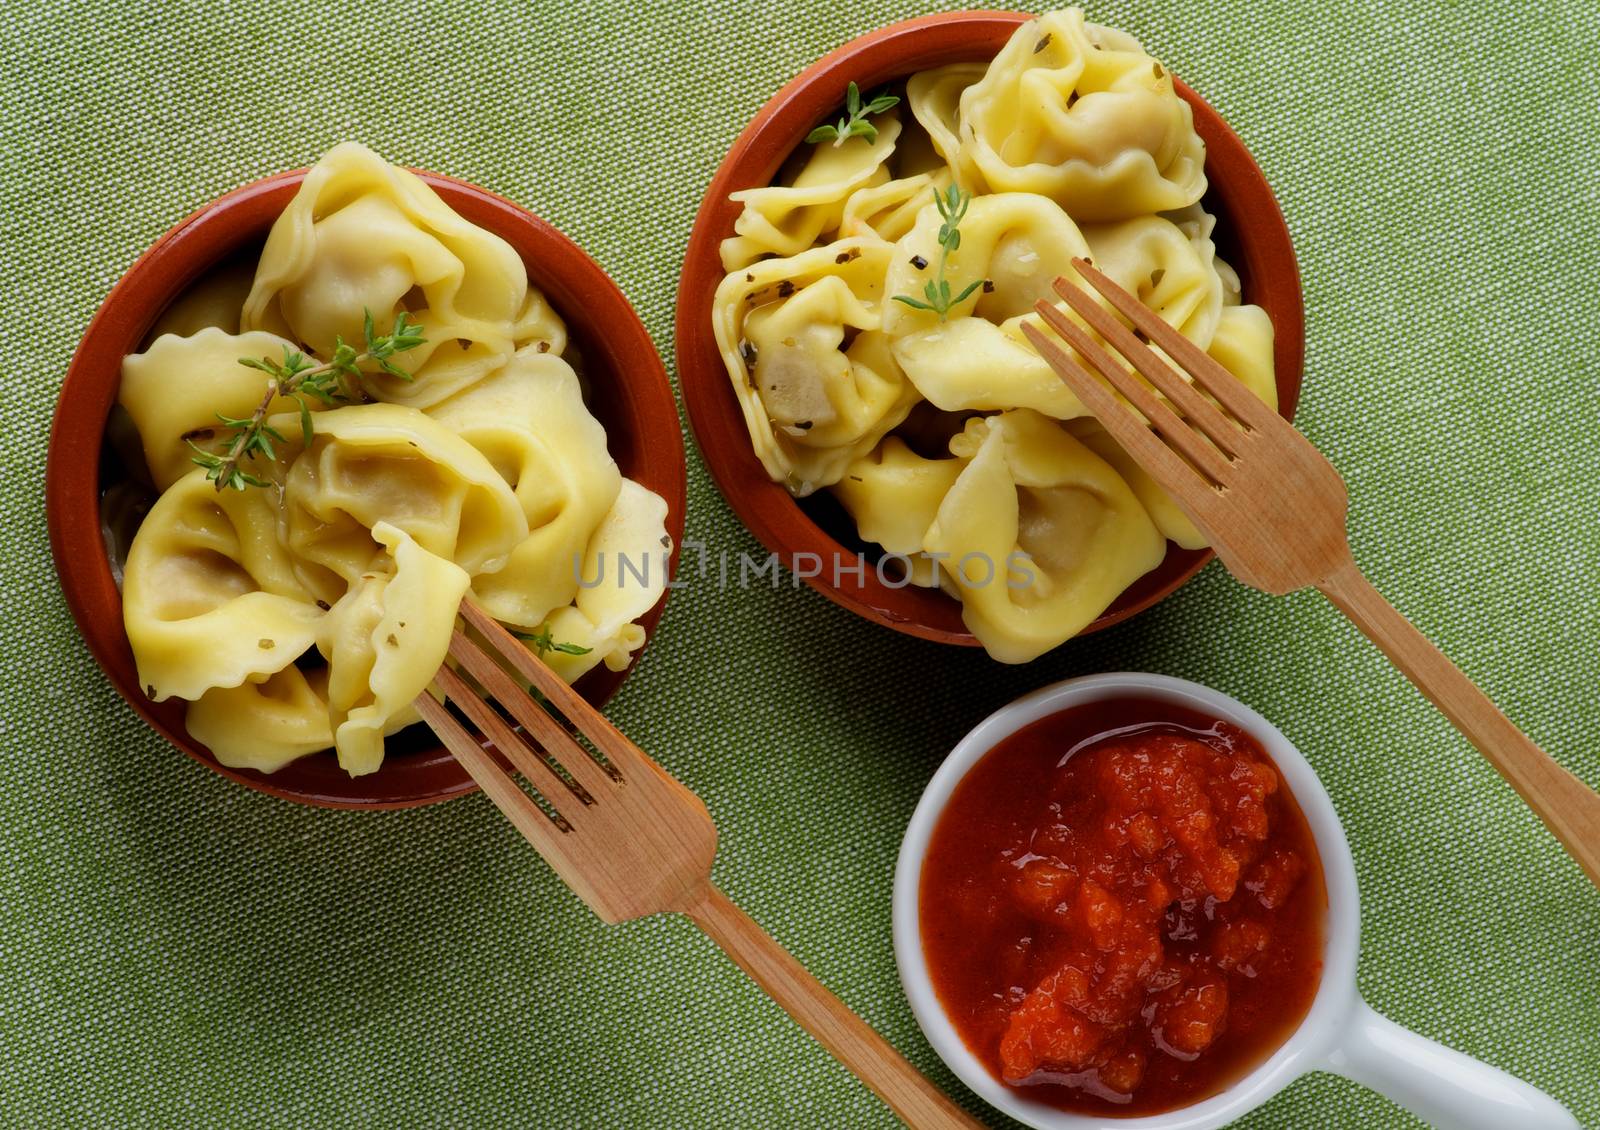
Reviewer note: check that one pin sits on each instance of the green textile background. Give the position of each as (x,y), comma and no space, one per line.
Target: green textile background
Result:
(177,951)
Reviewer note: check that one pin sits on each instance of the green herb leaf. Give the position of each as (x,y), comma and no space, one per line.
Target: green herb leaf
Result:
(952,206)
(307,432)
(336,379)
(854,123)
(967,293)
(542,642)
(392,369)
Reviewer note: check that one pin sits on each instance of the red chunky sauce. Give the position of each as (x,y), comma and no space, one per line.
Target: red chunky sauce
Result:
(1122,908)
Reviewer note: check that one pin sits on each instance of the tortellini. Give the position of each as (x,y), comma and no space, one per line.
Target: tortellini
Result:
(361,236)
(1082,115)
(623,575)
(210,596)
(175,389)
(894,495)
(814,371)
(1172,271)
(873,324)
(1013,246)
(383,642)
(935,98)
(1038,534)
(785,219)
(309,610)
(888,210)
(264,725)
(372,463)
(529,422)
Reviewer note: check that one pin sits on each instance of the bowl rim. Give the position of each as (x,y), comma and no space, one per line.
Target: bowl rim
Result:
(1267,262)
(597,313)
(1302,1050)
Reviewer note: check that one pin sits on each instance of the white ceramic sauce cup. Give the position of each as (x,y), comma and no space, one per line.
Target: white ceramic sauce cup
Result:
(1340,1033)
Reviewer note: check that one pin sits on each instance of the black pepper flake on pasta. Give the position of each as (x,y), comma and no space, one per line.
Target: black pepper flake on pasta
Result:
(805,425)
(747,351)
(843,257)
(324,605)
(392,641)
(919,262)
(857,479)
(1043,43)
(666,541)
(988,286)
(544,347)
(464,342)
(785,289)
(749,277)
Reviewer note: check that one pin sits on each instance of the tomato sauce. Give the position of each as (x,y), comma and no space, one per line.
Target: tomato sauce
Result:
(1122,908)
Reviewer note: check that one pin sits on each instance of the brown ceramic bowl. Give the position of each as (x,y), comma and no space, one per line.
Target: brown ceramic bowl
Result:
(631,396)
(1251,235)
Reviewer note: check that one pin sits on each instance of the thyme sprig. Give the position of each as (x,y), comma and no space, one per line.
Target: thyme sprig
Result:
(544,643)
(336,380)
(952,204)
(854,123)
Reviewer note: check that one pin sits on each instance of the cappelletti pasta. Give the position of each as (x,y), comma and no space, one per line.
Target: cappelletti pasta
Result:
(307,609)
(872,319)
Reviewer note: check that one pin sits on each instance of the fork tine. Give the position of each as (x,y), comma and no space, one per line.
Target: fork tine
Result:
(610,741)
(1206,370)
(547,732)
(1168,468)
(541,830)
(1200,412)
(1205,458)
(537,772)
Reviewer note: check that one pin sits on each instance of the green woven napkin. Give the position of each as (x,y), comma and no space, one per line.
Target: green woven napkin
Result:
(177,951)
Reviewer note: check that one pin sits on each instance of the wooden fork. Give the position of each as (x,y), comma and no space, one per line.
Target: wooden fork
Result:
(632,841)
(1274,509)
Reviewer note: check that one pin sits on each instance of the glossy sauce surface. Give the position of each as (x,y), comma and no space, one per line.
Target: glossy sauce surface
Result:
(1122,908)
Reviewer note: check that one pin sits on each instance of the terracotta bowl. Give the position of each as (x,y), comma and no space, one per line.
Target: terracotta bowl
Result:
(1251,236)
(630,395)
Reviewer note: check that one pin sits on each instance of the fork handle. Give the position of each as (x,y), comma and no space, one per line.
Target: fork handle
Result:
(848,1038)
(1568,807)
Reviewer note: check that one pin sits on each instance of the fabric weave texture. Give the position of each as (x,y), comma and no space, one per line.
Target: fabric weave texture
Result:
(177,951)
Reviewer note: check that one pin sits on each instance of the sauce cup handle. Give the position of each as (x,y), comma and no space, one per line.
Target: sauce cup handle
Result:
(1444,1087)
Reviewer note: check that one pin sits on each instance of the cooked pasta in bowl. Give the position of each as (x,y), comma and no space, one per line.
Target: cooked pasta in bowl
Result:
(315,417)
(850,320)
